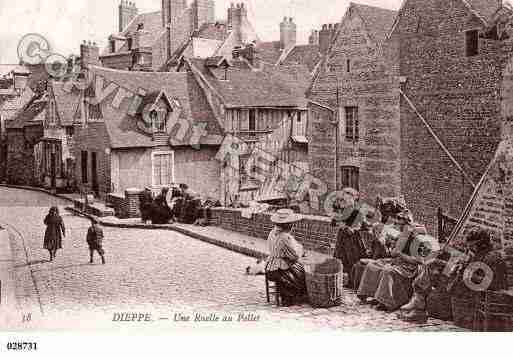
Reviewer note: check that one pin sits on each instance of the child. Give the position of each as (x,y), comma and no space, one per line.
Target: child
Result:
(94,240)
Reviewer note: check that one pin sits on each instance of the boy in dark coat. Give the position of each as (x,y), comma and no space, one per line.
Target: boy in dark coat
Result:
(94,240)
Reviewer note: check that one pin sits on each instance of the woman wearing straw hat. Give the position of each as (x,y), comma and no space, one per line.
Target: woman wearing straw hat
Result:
(283,265)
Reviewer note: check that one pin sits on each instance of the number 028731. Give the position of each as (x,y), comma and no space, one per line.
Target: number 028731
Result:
(22,346)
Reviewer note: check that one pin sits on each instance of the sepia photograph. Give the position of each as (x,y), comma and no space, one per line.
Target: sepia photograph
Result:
(260,166)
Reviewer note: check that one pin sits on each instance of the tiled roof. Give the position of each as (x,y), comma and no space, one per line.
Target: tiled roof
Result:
(213,31)
(12,104)
(249,88)
(66,102)
(378,21)
(308,55)
(152,30)
(29,115)
(485,8)
(122,128)
(269,52)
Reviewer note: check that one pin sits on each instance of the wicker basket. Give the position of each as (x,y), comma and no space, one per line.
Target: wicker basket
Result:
(464,311)
(439,304)
(324,283)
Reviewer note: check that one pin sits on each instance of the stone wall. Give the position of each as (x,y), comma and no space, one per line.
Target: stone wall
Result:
(20,154)
(458,95)
(369,84)
(314,232)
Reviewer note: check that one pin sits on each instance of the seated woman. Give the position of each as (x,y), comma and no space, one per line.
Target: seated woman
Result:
(145,205)
(379,234)
(283,266)
(349,247)
(161,213)
(389,281)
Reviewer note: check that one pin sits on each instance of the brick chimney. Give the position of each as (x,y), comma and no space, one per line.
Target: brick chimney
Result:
(313,39)
(324,39)
(127,12)
(236,15)
(288,31)
(89,54)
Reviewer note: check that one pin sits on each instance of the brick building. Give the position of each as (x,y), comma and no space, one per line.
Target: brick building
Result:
(442,66)
(356,84)
(141,134)
(252,103)
(452,56)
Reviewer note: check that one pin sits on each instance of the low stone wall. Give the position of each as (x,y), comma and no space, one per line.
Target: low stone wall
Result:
(314,232)
(126,205)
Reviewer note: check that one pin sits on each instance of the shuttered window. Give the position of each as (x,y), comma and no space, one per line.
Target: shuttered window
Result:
(83,163)
(472,42)
(350,177)
(352,124)
(162,169)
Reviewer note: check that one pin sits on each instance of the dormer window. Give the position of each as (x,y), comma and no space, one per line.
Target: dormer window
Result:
(158,119)
(472,43)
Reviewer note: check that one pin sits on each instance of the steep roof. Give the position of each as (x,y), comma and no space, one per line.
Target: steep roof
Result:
(152,22)
(485,8)
(308,55)
(269,51)
(66,102)
(378,21)
(12,104)
(122,128)
(30,115)
(249,88)
(212,31)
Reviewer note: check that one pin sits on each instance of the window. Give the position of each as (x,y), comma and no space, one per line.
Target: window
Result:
(348,65)
(472,42)
(243,175)
(162,163)
(350,177)
(159,119)
(129,42)
(140,26)
(112,46)
(84,166)
(70,130)
(352,125)
(252,120)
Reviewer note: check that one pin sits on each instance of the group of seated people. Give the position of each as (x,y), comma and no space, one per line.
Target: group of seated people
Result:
(176,204)
(390,262)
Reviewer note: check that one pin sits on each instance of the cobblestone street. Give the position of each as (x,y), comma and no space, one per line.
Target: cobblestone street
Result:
(162,273)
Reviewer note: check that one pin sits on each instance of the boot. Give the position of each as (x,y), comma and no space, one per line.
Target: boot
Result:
(91,258)
(414,316)
(103,259)
(418,302)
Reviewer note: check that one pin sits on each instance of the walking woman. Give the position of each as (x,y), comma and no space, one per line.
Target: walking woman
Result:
(54,232)
(283,266)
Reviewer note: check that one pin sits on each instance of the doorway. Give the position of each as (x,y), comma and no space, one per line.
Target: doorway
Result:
(94,173)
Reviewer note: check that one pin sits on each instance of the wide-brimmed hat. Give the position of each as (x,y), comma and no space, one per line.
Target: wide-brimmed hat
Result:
(284,216)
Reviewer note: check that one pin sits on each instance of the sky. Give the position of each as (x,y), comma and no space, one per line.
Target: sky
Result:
(66,23)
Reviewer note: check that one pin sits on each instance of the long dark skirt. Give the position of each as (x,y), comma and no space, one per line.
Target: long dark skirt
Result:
(291,282)
(349,249)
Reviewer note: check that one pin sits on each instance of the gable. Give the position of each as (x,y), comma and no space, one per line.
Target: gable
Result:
(435,17)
